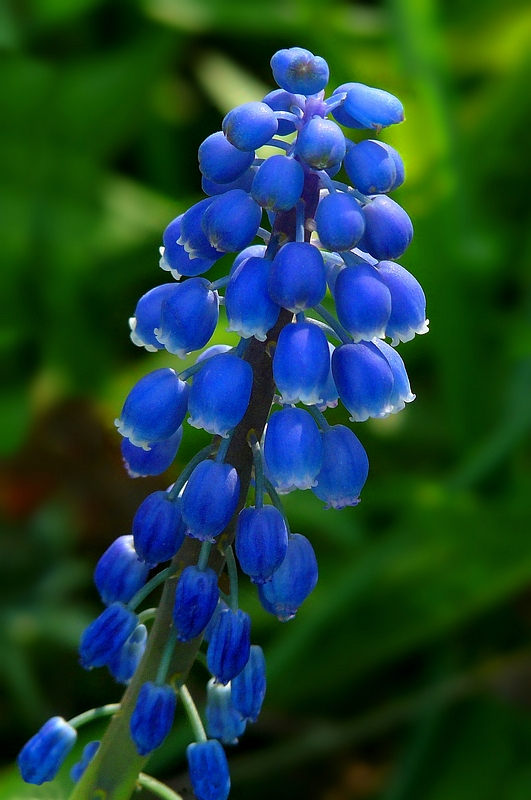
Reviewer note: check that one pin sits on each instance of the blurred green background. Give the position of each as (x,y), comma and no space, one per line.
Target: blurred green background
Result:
(407,674)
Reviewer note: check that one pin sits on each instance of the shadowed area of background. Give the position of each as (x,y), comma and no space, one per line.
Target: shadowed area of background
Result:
(406,674)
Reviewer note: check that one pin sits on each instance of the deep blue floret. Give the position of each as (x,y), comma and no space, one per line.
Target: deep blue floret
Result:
(249,687)
(224,722)
(42,757)
(119,573)
(229,645)
(152,717)
(106,635)
(158,529)
(196,598)
(209,771)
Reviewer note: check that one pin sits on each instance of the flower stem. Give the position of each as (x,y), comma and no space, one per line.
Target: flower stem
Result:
(192,714)
(156,787)
(94,713)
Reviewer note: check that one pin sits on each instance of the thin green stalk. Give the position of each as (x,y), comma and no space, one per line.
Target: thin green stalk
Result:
(146,590)
(147,615)
(319,417)
(275,499)
(187,471)
(94,713)
(156,787)
(166,658)
(329,318)
(192,714)
(232,569)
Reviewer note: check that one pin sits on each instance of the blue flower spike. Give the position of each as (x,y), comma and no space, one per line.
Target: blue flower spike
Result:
(152,716)
(42,757)
(209,771)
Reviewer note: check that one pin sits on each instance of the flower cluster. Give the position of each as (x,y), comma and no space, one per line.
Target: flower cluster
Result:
(324,236)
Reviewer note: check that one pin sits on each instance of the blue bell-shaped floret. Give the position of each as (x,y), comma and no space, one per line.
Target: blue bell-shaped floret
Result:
(345,468)
(223,722)
(249,687)
(367,107)
(293,450)
(297,280)
(330,394)
(192,236)
(244,182)
(321,143)
(220,161)
(231,221)
(154,408)
(364,380)
(147,317)
(209,499)
(220,394)
(174,257)
(374,167)
(209,771)
(89,751)
(293,581)
(250,125)
(253,251)
(43,756)
(213,350)
(388,228)
(141,463)
(196,598)
(123,665)
(158,529)
(119,573)
(298,71)
(189,317)
(250,309)
(401,393)
(278,183)
(408,303)
(261,542)
(280,100)
(106,635)
(152,717)
(301,363)
(363,302)
(229,645)
(339,221)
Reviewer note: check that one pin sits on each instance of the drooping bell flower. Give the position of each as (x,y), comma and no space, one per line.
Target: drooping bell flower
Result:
(154,408)
(196,598)
(344,470)
(106,635)
(158,529)
(192,236)
(229,645)
(297,279)
(152,717)
(147,317)
(209,499)
(220,394)
(301,363)
(250,309)
(340,222)
(278,184)
(141,463)
(175,259)
(43,756)
(363,302)
(223,721)
(367,107)
(250,125)
(249,687)
(231,221)
(209,771)
(119,573)
(189,317)
(293,450)
(401,393)
(388,229)
(292,582)
(364,380)
(374,167)
(330,395)
(408,303)
(261,542)
(122,666)
(220,161)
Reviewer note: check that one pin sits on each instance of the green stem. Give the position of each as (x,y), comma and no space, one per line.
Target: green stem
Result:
(147,615)
(192,714)
(94,713)
(345,337)
(206,547)
(166,658)
(275,499)
(146,590)
(232,569)
(319,417)
(156,787)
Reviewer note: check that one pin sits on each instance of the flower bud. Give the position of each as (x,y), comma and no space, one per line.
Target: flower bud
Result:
(374,167)
(364,380)
(123,665)
(280,100)
(250,125)
(344,470)
(141,463)
(261,542)
(297,280)
(367,107)
(229,645)
(388,228)
(297,70)
(223,721)
(250,309)
(220,394)
(278,184)
(321,143)
(154,408)
(231,221)
(292,582)
(220,161)
(188,318)
(249,687)
(152,717)
(363,302)
(293,450)
(340,222)
(196,598)
(209,499)
(43,756)
(209,771)
(119,573)
(408,303)
(106,635)
(301,363)
(158,530)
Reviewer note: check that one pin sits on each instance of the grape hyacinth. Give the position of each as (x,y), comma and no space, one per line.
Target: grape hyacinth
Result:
(312,306)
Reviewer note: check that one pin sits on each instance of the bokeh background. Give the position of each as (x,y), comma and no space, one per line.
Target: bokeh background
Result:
(407,674)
